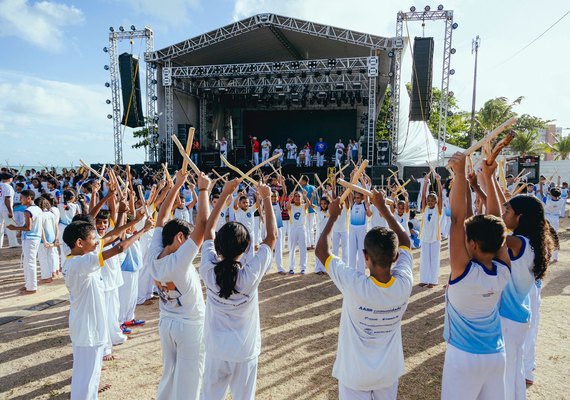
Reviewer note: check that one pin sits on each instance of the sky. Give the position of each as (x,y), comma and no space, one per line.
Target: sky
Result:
(52,93)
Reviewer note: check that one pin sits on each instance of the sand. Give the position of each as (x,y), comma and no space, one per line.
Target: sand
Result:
(299,321)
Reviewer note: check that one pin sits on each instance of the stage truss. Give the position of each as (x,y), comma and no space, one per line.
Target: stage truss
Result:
(151,94)
(446,71)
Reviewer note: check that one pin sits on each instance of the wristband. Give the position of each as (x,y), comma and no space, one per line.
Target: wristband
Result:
(203,190)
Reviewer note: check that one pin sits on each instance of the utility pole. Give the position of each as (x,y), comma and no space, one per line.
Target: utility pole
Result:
(474,49)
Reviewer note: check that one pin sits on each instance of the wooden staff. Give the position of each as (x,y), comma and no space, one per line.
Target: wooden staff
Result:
(298,184)
(97,174)
(519,189)
(239,172)
(401,188)
(222,177)
(141,195)
(355,179)
(500,146)
(189,142)
(360,190)
(185,156)
(492,135)
(258,166)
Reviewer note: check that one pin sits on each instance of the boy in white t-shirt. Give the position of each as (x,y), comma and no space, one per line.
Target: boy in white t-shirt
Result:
(181,326)
(7,210)
(370,357)
(87,313)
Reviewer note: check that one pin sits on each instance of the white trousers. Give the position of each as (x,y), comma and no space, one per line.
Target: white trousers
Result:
(531,335)
(514,334)
(146,284)
(340,239)
(445,226)
(429,262)
(29,262)
(128,296)
(387,393)
(5,221)
(183,351)
(320,159)
(468,376)
(310,228)
(240,377)
(49,261)
(63,248)
(86,372)
(256,158)
(116,335)
(278,251)
(554,220)
(264,155)
(257,230)
(297,238)
(356,247)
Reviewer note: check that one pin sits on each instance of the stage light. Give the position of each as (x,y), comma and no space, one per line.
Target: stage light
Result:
(106,67)
(276,65)
(357,85)
(154,98)
(121,29)
(452,72)
(295,64)
(322,95)
(111,29)
(455,25)
(440,7)
(108,101)
(154,81)
(339,86)
(389,125)
(107,84)
(390,74)
(451,94)
(223,90)
(155,119)
(278,88)
(427,8)
(390,54)
(450,113)
(453,51)
(332,62)
(153,66)
(105,49)
(389,94)
(412,9)
(133,28)
(338,72)
(109,116)
(349,71)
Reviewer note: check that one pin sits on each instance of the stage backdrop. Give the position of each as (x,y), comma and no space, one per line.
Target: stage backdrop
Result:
(301,126)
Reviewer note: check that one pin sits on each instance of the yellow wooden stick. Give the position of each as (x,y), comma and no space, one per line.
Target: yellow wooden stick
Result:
(359,189)
(492,135)
(355,179)
(237,170)
(96,173)
(184,155)
(189,142)
(141,195)
(252,170)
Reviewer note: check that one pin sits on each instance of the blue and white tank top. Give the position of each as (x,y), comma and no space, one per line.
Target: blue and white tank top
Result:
(472,321)
(133,258)
(358,215)
(35,233)
(515,300)
(49,222)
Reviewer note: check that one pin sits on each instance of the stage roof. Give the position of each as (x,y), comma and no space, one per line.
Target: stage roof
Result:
(271,37)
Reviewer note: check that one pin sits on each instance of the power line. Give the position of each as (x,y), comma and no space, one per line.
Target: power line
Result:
(535,39)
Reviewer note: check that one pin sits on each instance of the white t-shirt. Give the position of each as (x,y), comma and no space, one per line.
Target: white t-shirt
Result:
(403,219)
(246,218)
(232,330)
(341,224)
(181,293)
(87,311)
(223,146)
(430,227)
(554,207)
(370,354)
(182,213)
(376,219)
(6,191)
(112,277)
(265,146)
(339,149)
(322,218)
(291,150)
(66,216)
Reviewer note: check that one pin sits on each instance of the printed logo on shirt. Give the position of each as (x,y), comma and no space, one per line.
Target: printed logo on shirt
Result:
(297,215)
(248,214)
(488,294)
(429,217)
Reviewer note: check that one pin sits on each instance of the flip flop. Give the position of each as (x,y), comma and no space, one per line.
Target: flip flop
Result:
(134,322)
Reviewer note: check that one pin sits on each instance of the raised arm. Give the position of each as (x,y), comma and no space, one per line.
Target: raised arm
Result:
(210,229)
(439,193)
(264,193)
(493,207)
(458,255)
(203,208)
(168,202)
(125,244)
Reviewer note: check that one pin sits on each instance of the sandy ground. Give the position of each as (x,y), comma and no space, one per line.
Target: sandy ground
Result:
(299,320)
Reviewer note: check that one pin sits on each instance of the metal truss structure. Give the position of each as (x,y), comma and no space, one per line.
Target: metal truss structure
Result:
(151,111)
(270,20)
(425,15)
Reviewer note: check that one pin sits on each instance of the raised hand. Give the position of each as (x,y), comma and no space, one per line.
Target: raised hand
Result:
(203,182)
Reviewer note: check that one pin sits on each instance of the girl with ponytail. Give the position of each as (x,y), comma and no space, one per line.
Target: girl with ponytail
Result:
(530,247)
(232,330)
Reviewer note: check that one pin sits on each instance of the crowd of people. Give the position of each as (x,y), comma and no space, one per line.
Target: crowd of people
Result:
(121,238)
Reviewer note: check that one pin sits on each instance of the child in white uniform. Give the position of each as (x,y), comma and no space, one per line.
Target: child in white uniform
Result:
(370,357)
(359,211)
(181,324)
(7,211)
(340,234)
(244,214)
(87,314)
(232,330)
(474,364)
(553,207)
(401,210)
(430,236)
(530,248)
(322,218)
(297,231)
(128,292)
(276,203)
(67,210)
(47,253)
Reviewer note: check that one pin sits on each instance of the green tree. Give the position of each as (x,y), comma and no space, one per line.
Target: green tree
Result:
(143,136)
(561,148)
(384,118)
(526,143)
(493,113)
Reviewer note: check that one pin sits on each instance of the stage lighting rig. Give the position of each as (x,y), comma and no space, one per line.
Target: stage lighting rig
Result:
(105,50)
(440,7)
(427,8)
(121,28)
(111,29)
(412,9)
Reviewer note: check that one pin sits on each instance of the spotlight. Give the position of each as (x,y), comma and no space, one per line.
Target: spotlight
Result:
(391,54)
(452,72)
(107,84)
(111,29)
(133,28)
(390,74)
(451,94)
(154,81)
(427,8)
(412,8)
(455,25)
(278,88)
(106,50)
(389,125)
(121,29)
(450,113)
(106,67)
(331,62)
(453,51)
(357,85)
(349,71)
(109,116)
(340,86)
(389,94)
(440,7)
(154,98)
(153,66)
(155,119)
(108,101)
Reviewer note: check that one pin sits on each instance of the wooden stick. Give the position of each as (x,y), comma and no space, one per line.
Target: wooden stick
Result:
(239,172)
(401,188)
(166,173)
(141,195)
(97,174)
(252,170)
(185,156)
(519,189)
(359,189)
(492,135)
(189,142)
(222,177)
(355,179)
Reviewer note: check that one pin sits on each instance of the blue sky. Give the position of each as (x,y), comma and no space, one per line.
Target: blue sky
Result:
(52,93)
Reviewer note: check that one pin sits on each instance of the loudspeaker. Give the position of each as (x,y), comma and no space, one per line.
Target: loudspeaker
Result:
(131,91)
(182,135)
(289,161)
(377,172)
(422,71)
(209,159)
(383,152)
(530,164)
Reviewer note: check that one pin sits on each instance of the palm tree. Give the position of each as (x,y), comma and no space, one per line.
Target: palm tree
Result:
(561,147)
(526,143)
(495,112)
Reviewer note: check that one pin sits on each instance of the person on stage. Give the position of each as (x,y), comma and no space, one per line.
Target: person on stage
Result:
(339,151)
(291,148)
(255,149)
(265,149)
(223,148)
(320,148)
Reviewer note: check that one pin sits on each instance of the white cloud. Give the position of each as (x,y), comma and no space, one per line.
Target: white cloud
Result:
(54,122)
(41,23)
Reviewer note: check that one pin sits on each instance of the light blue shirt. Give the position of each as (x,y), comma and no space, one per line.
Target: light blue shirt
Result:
(35,233)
